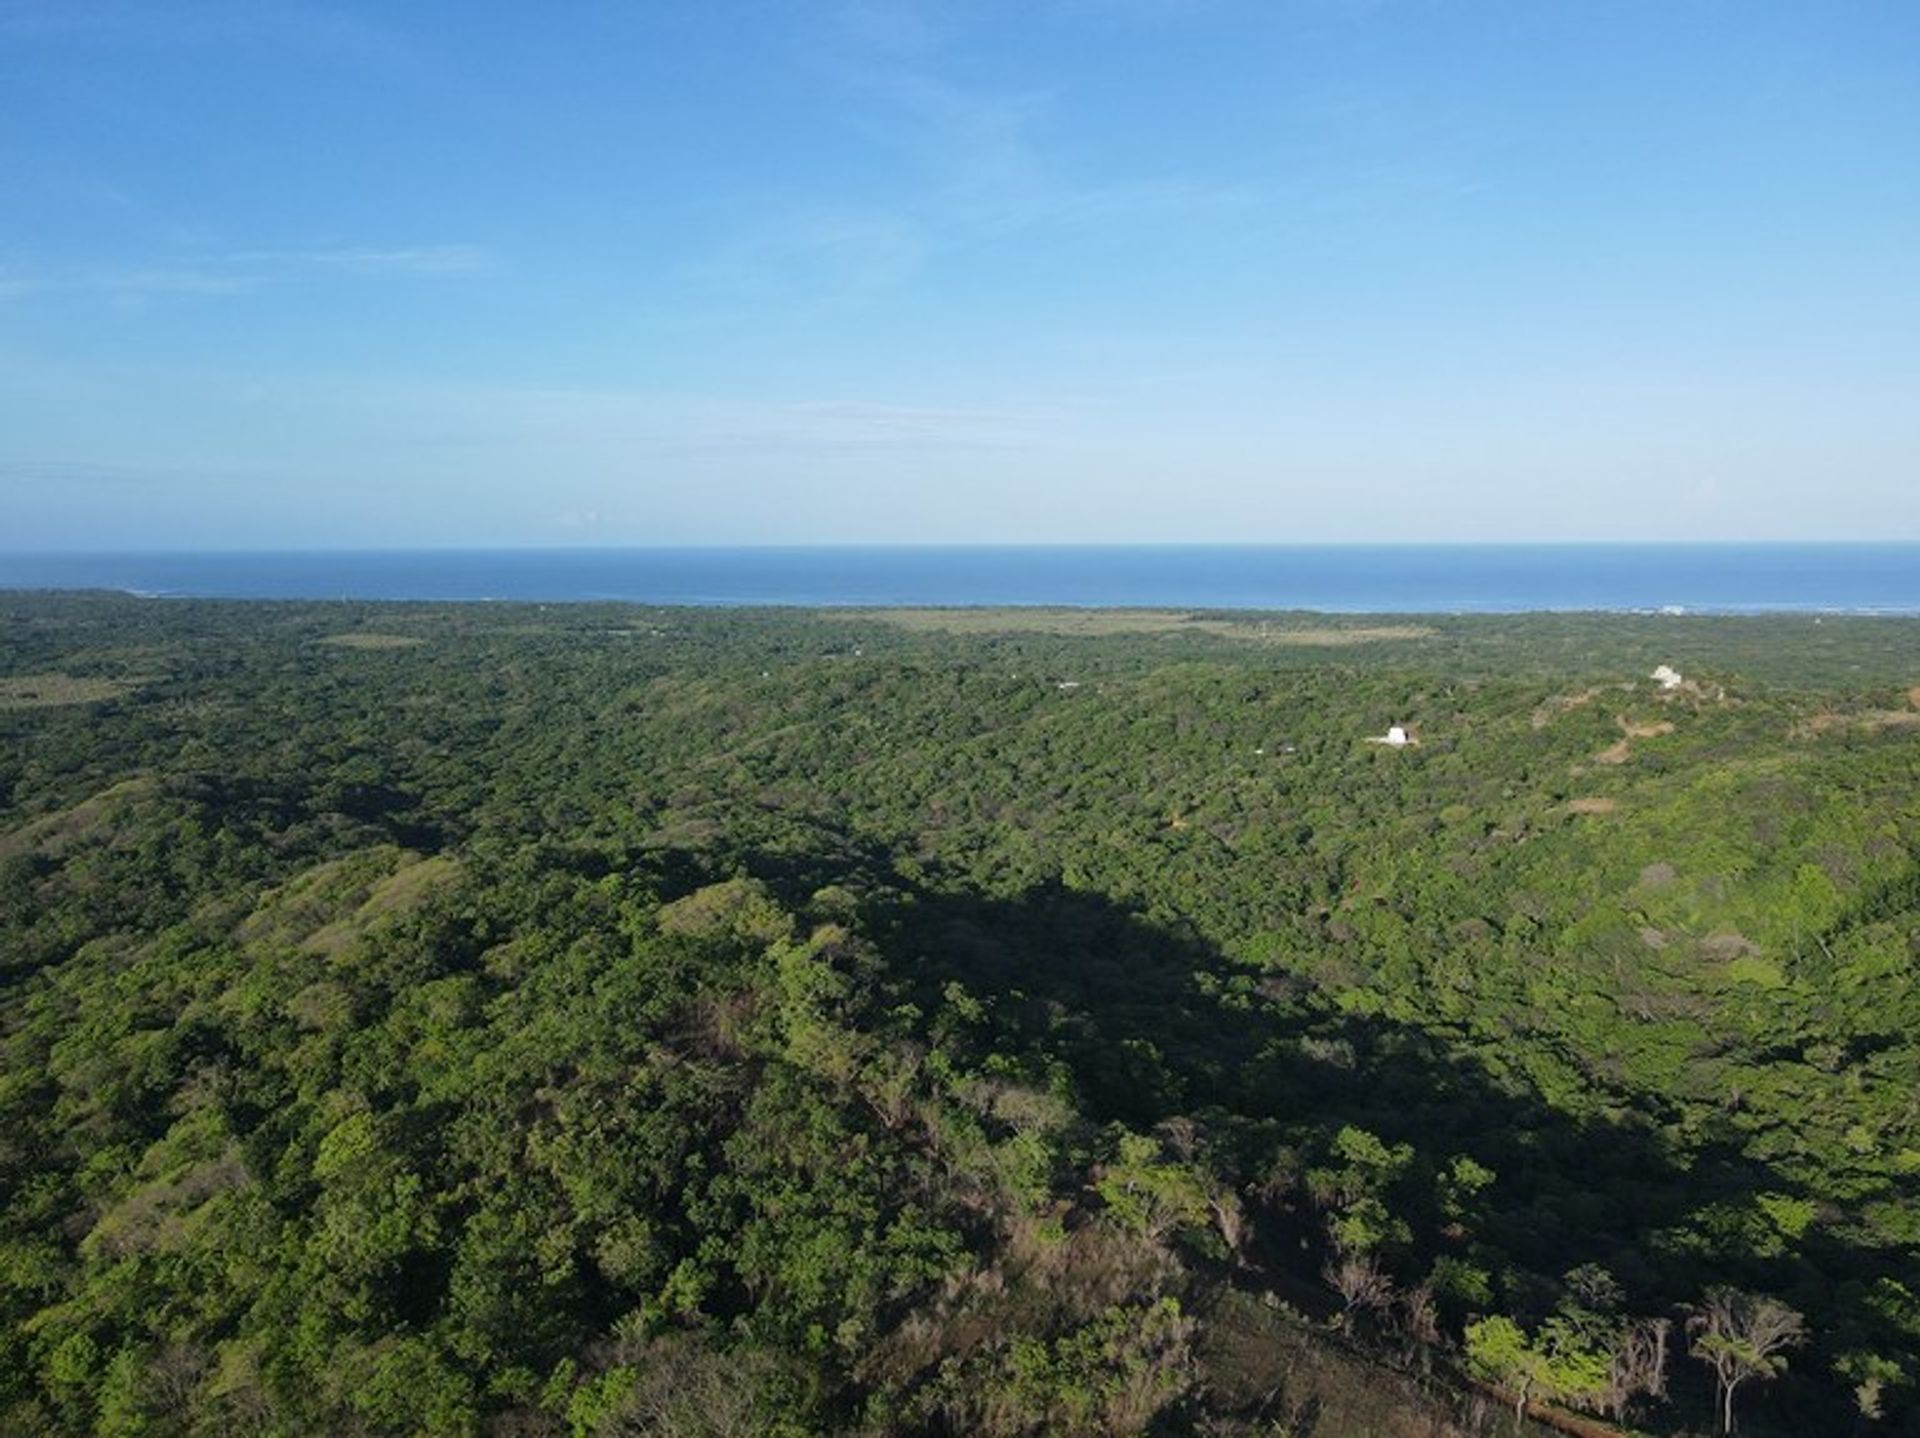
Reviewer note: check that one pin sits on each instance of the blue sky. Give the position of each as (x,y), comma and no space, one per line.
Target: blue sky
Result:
(294,275)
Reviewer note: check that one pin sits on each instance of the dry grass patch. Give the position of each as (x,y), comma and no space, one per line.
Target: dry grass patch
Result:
(1552,708)
(1871,721)
(53,833)
(1592,806)
(1650,730)
(372,641)
(45,691)
(407,886)
(326,908)
(1324,638)
(1088,623)
(1728,944)
(1622,750)
(404,889)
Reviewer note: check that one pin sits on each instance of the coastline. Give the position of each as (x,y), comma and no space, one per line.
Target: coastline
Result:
(1676,580)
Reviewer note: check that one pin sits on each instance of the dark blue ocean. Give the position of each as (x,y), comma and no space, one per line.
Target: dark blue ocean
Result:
(1744,578)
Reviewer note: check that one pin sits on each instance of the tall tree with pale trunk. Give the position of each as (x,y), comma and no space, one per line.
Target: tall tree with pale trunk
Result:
(1741,1335)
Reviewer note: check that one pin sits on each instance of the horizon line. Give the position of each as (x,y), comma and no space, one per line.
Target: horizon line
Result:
(695,546)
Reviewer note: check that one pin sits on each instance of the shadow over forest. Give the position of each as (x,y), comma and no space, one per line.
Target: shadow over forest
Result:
(1252,1072)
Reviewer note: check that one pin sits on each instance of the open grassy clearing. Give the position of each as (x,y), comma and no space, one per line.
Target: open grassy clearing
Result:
(51,833)
(44,691)
(1087,623)
(373,641)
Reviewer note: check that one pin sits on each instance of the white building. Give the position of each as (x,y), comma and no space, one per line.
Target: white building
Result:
(1667,677)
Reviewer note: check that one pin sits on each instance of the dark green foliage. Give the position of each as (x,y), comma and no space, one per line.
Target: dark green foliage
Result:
(612,1021)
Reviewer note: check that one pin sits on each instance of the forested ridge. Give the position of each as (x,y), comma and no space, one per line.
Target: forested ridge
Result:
(599,1019)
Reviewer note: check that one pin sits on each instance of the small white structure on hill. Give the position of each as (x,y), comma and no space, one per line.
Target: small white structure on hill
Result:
(1396,737)
(1667,677)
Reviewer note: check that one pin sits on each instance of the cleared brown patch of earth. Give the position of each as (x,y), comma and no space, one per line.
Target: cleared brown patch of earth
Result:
(372,641)
(1657,876)
(1270,1361)
(1594,805)
(1652,730)
(1620,752)
(45,691)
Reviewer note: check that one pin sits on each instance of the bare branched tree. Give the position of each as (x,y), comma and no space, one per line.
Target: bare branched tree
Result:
(688,1389)
(1639,1363)
(1419,1320)
(173,1377)
(1231,1219)
(1741,1335)
(1361,1283)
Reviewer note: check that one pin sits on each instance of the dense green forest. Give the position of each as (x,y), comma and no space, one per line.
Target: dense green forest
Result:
(606,1020)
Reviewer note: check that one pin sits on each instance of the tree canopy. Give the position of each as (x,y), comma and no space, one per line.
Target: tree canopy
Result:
(604,1020)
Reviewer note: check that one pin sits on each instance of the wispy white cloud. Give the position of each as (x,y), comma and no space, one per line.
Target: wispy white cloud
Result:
(981,164)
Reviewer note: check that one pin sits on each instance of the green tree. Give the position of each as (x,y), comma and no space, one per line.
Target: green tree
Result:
(1741,1335)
